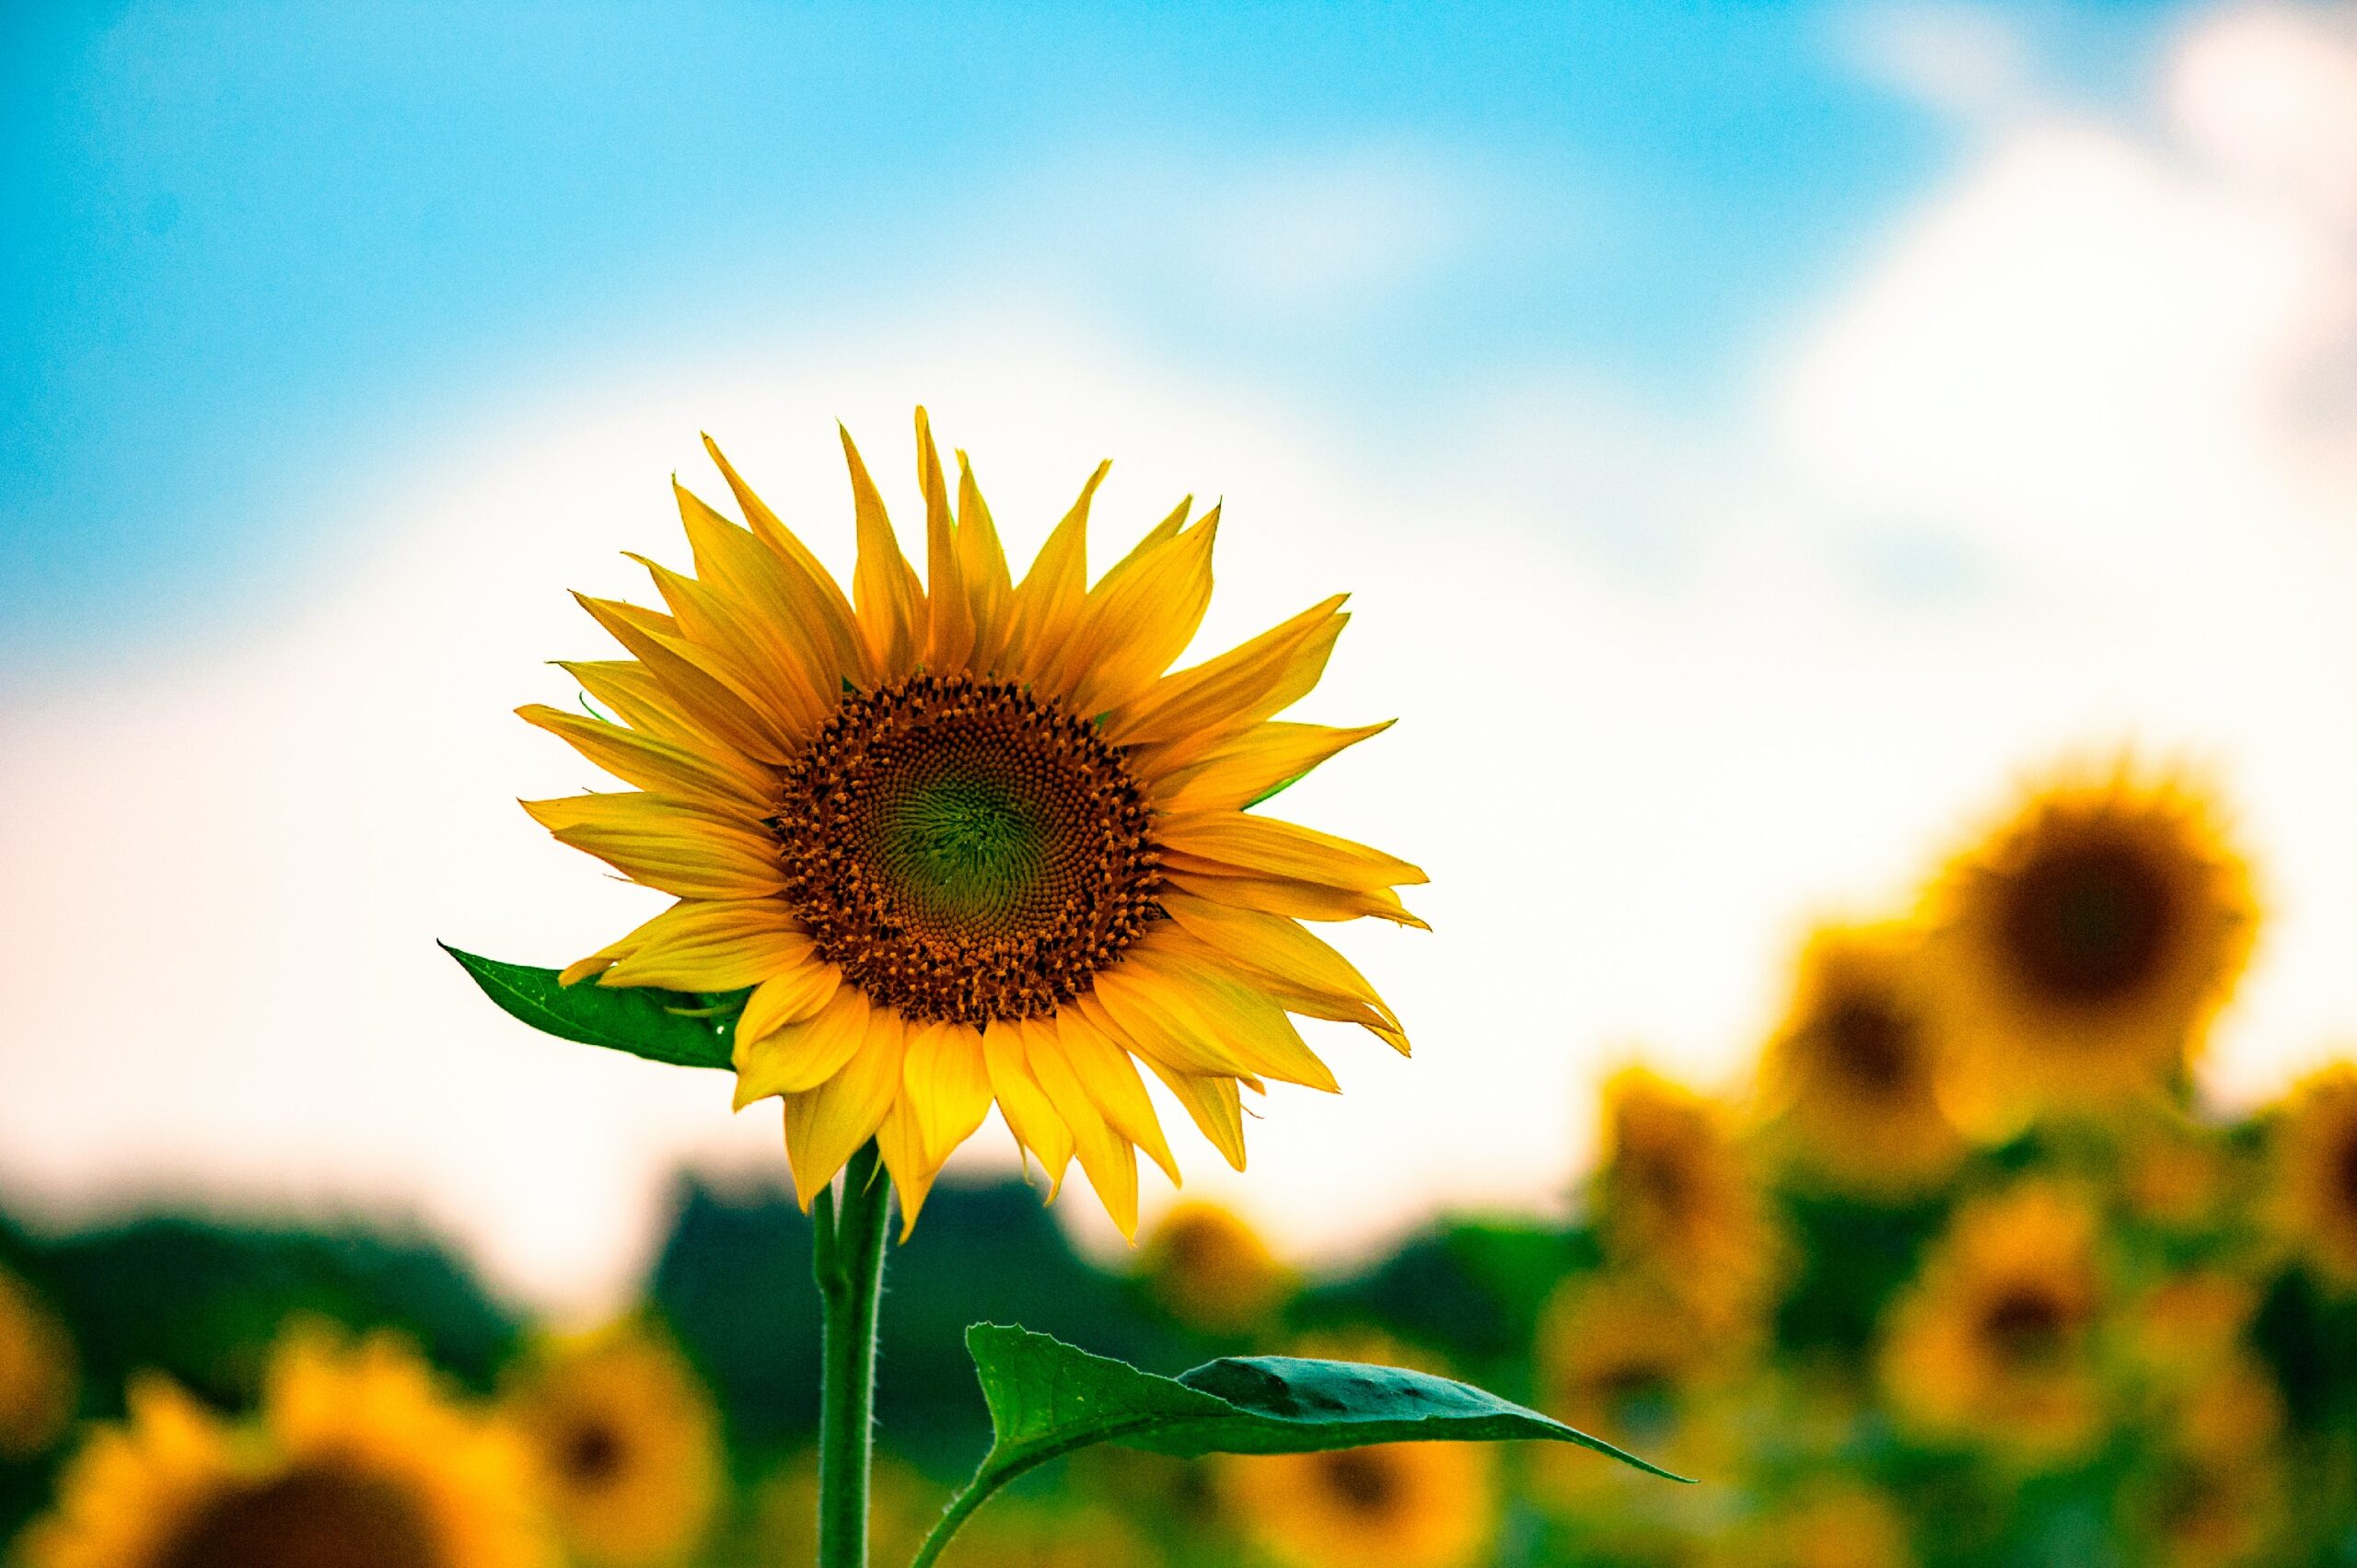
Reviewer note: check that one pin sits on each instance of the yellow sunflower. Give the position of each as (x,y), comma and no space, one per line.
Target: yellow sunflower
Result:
(627,1444)
(38,1380)
(1211,1270)
(2312,1175)
(2084,947)
(1995,1340)
(359,1460)
(1852,1077)
(1828,1524)
(2207,1510)
(1677,1200)
(967,841)
(1618,1357)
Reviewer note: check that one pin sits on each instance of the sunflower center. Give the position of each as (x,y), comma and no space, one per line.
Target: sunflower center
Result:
(2088,922)
(1362,1479)
(963,851)
(1871,1043)
(2344,1171)
(313,1517)
(591,1455)
(2025,1325)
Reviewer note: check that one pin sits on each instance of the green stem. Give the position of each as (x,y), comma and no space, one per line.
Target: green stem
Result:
(847,1259)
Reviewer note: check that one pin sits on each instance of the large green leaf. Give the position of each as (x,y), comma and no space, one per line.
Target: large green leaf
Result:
(1048,1399)
(684,1028)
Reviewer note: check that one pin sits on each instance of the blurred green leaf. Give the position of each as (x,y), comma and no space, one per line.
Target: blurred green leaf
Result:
(682,1028)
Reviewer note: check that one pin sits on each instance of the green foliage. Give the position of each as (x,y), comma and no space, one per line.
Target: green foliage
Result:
(684,1028)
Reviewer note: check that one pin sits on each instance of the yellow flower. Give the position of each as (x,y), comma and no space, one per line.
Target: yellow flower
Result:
(2085,944)
(1019,1533)
(358,1460)
(783,1518)
(968,841)
(626,1442)
(38,1382)
(1392,1505)
(1994,1341)
(1618,1357)
(2207,1511)
(2178,1173)
(1852,1077)
(1678,1201)
(1832,1524)
(1211,1270)
(2312,1175)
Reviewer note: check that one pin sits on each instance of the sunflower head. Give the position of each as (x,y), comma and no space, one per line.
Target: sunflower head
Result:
(2085,944)
(627,1444)
(1677,1199)
(1852,1076)
(1826,1523)
(1208,1269)
(1618,1356)
(2312,1175)
(2207,1510)
(1995,1341)
(965,840)
(38,1383)
(359,1459)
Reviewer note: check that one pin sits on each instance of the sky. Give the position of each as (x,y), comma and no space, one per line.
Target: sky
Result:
(1758,440)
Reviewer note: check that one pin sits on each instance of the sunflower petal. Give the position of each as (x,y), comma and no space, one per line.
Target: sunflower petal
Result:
(639,700)
(1046,604)
(1111,1079)
(905,1161)
(1239,688)
(1130,1007)
(884,586)
(825,1126)
(982,561)
(1275,946)
(1213,1103)
(694,678)
(798,1057)
(949,627)
(788,997)
(1136,624)
(665,844)
(744,652)
(833,611)
(1247,769)
(714,945)
(949,1085)
(793,612)
(729,782)
(1243,1018)
(1104,1154)
(1223,842)
(1025,1105)
(1301,900)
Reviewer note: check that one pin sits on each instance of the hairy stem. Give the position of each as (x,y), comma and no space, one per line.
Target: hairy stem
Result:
(847,1259)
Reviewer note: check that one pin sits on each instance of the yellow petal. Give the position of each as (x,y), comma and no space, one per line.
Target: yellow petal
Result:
(1239,688)
(1247,769)
(1111,1079)
(639,700)
(982,561)
(788,997)
(884,586)
(1214,1105)
(799,1057)
(1104,1154)
(1242,1019)
(905,1160)
(1310,1001)
(666,845)
(746,655)
(793,613)
(1301,900)
(947,1083)
(949,627)
(1129,1005)
(1046,604)
(825,1126)
(1135,625)
(1273,945)
(729,782)
(1025,1106)
(714,945)
(694,678)
(1224,842)
(832,611)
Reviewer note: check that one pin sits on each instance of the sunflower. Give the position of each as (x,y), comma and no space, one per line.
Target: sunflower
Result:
(359,1460)
(965,840)
(1852,1076)
(1211,1270)
(2207,1510)
(1677,1200)
(1995,1340)
(627,1444)
(38,1380)
(1619,1357)
(2084,947)
(1828,1524)
(2312,1175)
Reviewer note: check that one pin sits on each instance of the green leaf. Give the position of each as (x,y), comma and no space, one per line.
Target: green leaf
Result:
(1047,1398)
(684,1028)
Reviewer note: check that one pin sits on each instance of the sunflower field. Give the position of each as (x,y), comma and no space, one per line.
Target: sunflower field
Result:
(1964,1273)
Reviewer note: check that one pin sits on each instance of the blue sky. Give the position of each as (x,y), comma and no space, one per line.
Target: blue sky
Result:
(257,251)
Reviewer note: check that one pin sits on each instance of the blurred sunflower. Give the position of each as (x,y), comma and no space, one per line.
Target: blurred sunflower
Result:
(1833,1523)
(783,1520)
(1852,1076)
(2177,1173)
(1618,1358)
(626,1442)
(1994,1341)
(2084,945)
(2312,1174)
(2206,1511)
(1018,1533)
(1676,1199)
(1211,1270)
(359,1460)
(38,1380)
(967,842)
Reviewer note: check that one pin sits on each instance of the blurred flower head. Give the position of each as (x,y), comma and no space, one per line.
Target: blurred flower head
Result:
(1995,1341)
(2312,1159)
(1826,1523)
(1676,1199)
(1210,1270)
(1852,1077)
(626,1442)
(1392,1505)
(37,1381)
(2083,948)
(1619,1357)
(965,840)
(359,1458)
